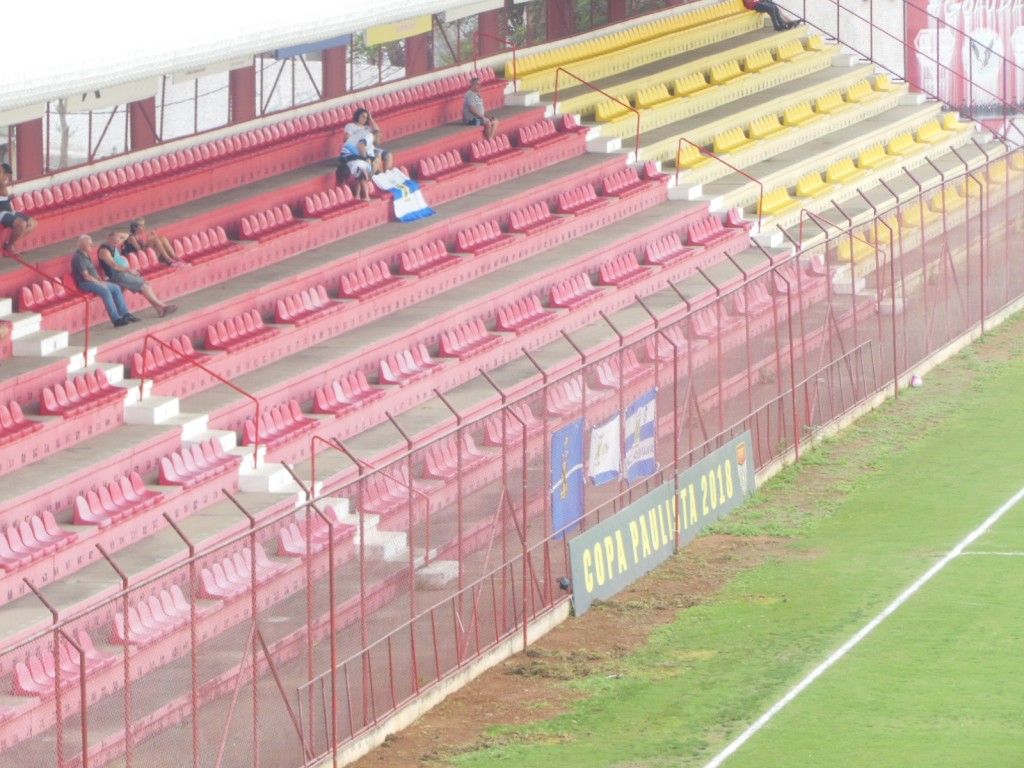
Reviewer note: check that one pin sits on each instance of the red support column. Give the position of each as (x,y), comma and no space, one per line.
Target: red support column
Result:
(242,94)
(618,10)
(417,55)
(334,62)
(490,28)
(561,19)
(142,123)
(29,147)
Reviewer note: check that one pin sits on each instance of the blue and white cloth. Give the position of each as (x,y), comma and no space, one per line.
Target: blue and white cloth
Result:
(641,427)
(408,197)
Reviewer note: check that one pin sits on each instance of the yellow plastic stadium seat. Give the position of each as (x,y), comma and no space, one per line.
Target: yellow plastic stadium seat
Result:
(732,141)
(916,215)
(691,85)
(815,43)
(843,172)
(861,93)
(854,249)
(973,187)
(884,85)
(777,202)
(767,127)
(1017,162)
(792,51)
(723,74)
(931,133)
(761,61)
(903,145)
(800,114)
(733,8)
(874,158)
(653,97)
(812,185)
(998,172)
(879,231)
(690,157)
(609,111)
(951,122)
(948,200)
(832,104)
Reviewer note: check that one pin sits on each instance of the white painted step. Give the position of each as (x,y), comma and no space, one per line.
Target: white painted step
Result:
(683,191)
(604,144)
(191,424)
(523,99)
(39,343)
(131,386)
(437,575)
(386,545)
(151,410)
(23,323)
(266,478)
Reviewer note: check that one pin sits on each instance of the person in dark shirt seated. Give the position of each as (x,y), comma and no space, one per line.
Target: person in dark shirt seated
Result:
(117,270)
(20,224)
(138,240)
(88,280)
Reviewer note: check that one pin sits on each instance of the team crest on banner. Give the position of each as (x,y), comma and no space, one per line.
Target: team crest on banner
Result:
(640,434)
(408,198)
(567,477)
(605,463)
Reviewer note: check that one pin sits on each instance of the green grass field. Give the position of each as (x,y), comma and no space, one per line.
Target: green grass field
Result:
(939,682)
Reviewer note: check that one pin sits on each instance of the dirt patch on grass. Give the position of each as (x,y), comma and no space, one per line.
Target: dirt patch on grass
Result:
(530,686)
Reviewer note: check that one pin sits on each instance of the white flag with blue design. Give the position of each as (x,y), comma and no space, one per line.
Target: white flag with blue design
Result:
(408,197)
(605,451)
(641,424)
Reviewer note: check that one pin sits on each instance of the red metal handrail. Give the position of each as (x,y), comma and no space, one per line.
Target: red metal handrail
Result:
(731,167)
(142,380)
(515,71)
(559,70)
(80,294)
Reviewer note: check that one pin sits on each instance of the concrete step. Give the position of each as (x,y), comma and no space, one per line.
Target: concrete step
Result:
(437,575)
(22,323)
(387,545)
(151,410)
(39,343)
(266,478)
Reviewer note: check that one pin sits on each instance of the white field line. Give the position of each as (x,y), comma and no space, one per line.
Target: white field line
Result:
(996,554)
(846,647)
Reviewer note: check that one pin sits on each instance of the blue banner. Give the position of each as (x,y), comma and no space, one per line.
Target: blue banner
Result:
(567,477)
(640,437)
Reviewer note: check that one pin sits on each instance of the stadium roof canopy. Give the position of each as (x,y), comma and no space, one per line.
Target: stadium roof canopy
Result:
(92,45)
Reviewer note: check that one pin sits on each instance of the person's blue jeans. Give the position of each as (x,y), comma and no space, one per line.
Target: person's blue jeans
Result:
(112,298)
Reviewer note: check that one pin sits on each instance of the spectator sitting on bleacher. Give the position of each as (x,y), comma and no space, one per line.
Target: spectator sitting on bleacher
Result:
(473,111)
(773,11)
(364,128)
(360,157)
(19,223)
(161,245)
(88,280)
(118,271)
